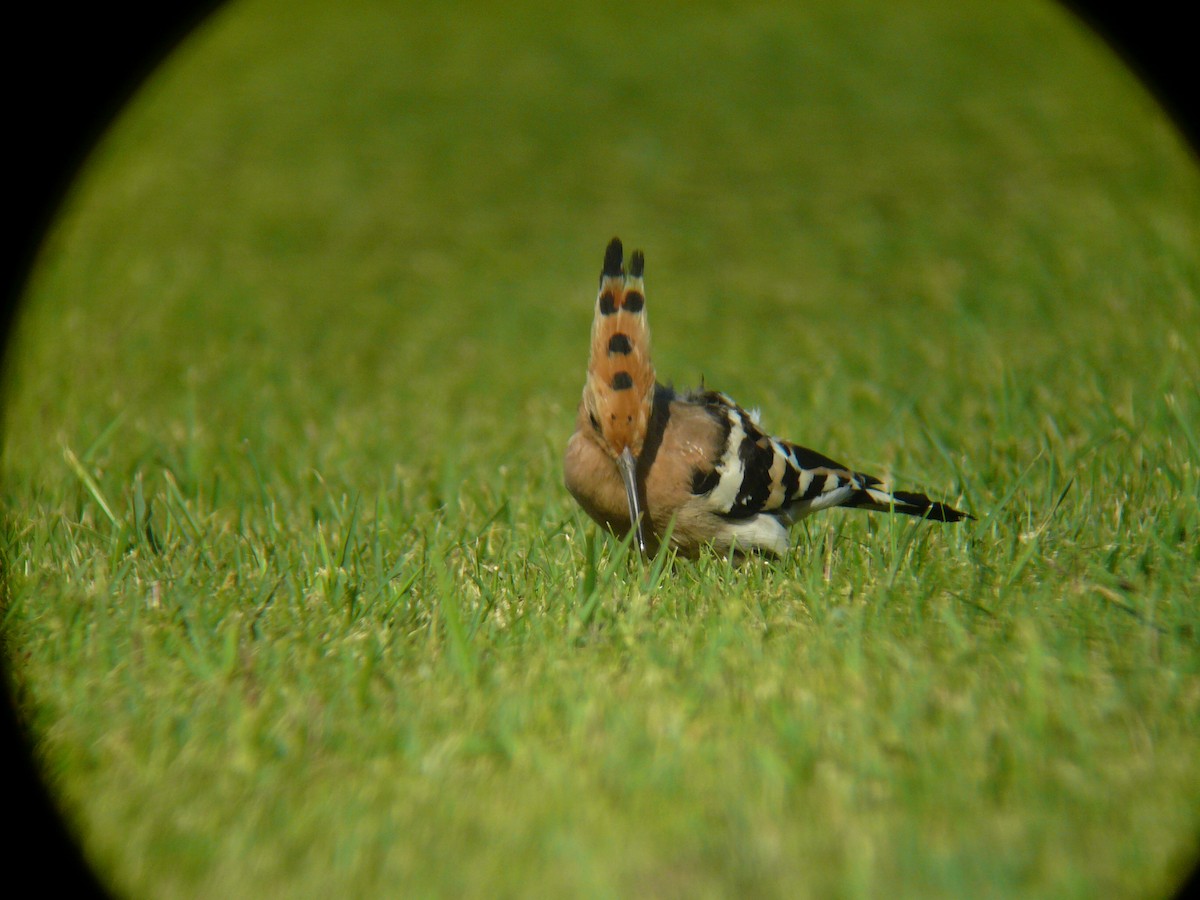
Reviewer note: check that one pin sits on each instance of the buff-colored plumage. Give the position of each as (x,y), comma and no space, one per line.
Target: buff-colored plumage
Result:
(648,458)
(620,375)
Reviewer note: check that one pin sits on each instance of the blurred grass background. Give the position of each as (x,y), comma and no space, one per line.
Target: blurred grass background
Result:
(294,599)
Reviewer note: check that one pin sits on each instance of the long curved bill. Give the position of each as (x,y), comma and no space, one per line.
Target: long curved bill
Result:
(628,466)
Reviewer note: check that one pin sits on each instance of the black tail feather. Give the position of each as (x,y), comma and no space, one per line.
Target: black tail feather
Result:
(928,509)
(908,503)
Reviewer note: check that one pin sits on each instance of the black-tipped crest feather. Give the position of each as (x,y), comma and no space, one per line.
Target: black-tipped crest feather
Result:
(613,257)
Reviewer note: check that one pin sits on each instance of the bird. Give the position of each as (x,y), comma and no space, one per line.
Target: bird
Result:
(693,468)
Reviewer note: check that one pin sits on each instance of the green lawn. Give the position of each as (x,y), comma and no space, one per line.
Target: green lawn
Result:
(295,602)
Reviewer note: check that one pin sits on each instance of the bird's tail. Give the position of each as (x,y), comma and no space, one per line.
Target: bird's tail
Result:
(910,503)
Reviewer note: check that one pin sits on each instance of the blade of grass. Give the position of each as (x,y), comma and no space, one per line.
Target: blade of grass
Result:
(90,484)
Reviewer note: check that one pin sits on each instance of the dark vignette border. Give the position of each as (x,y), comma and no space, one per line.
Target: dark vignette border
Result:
(70,73)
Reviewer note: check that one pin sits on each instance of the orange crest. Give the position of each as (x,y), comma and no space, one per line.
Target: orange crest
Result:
(620,383)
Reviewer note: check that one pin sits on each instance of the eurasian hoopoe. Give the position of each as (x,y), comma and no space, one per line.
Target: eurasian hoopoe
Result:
(643,455)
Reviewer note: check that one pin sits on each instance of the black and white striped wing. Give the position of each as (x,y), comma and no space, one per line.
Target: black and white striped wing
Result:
(761,475)
(757,473)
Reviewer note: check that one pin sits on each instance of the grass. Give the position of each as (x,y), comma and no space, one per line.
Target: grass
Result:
(294,601)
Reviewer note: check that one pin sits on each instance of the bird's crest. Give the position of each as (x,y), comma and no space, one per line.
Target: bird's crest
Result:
(620,383)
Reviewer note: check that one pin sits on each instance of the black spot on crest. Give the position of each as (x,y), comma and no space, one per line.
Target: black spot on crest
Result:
(595,422)
(637,263)
(612,258)
(633,302)
(608,304)
(619,343)
(622,381)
